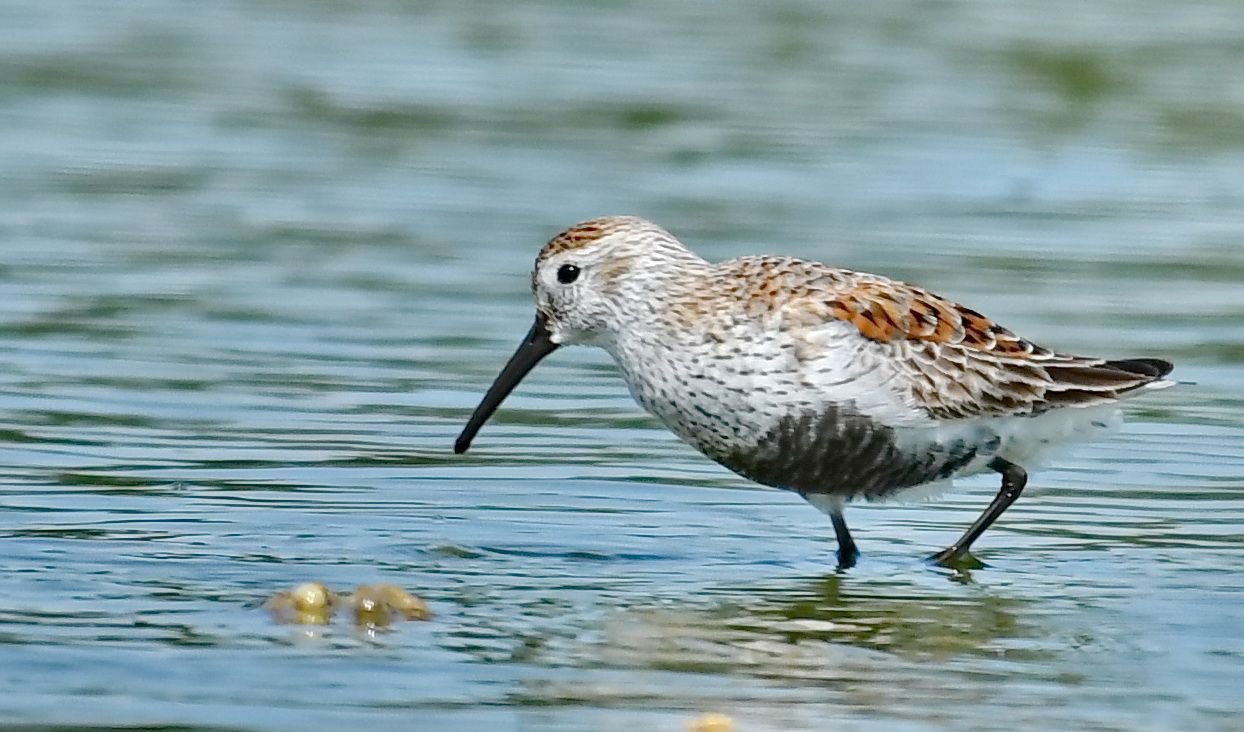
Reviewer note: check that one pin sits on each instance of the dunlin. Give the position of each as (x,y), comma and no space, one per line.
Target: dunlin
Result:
(835,384)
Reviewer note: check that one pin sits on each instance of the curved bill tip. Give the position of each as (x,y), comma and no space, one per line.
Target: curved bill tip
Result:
(530,352)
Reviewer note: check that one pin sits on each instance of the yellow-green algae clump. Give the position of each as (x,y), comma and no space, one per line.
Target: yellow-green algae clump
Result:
(370,606)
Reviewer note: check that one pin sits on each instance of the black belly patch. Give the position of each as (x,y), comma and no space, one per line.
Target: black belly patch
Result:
(842,452)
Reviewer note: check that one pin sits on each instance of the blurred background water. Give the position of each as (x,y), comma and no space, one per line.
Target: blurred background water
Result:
(258,260)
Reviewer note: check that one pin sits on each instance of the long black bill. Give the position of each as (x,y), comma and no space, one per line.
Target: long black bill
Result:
(530,352)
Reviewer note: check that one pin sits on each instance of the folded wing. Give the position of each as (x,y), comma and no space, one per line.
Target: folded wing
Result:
(960,364)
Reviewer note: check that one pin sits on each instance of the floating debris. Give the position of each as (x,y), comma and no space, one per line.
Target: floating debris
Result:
(372,606)
(711,722)
(310,603)
(392,598)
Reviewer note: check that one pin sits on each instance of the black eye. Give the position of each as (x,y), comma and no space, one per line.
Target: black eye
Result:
(567,273)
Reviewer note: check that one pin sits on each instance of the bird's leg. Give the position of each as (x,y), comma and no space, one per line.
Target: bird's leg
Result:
(1013,481)
(847,551)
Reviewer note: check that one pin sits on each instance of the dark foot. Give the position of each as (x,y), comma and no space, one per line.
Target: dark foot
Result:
(955,558)
(846,559)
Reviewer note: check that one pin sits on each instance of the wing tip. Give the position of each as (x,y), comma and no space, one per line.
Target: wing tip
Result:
(1153,368)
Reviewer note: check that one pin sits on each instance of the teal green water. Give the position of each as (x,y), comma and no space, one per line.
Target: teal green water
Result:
(259,260)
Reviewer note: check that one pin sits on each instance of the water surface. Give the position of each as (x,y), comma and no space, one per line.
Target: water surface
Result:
(259,260)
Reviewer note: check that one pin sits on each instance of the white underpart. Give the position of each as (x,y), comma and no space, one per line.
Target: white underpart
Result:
(1025,441)
(826,503)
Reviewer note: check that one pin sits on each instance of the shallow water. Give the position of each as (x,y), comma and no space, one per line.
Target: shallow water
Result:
(259,260)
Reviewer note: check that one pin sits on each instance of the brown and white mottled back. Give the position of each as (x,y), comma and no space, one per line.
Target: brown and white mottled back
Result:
(822,380)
